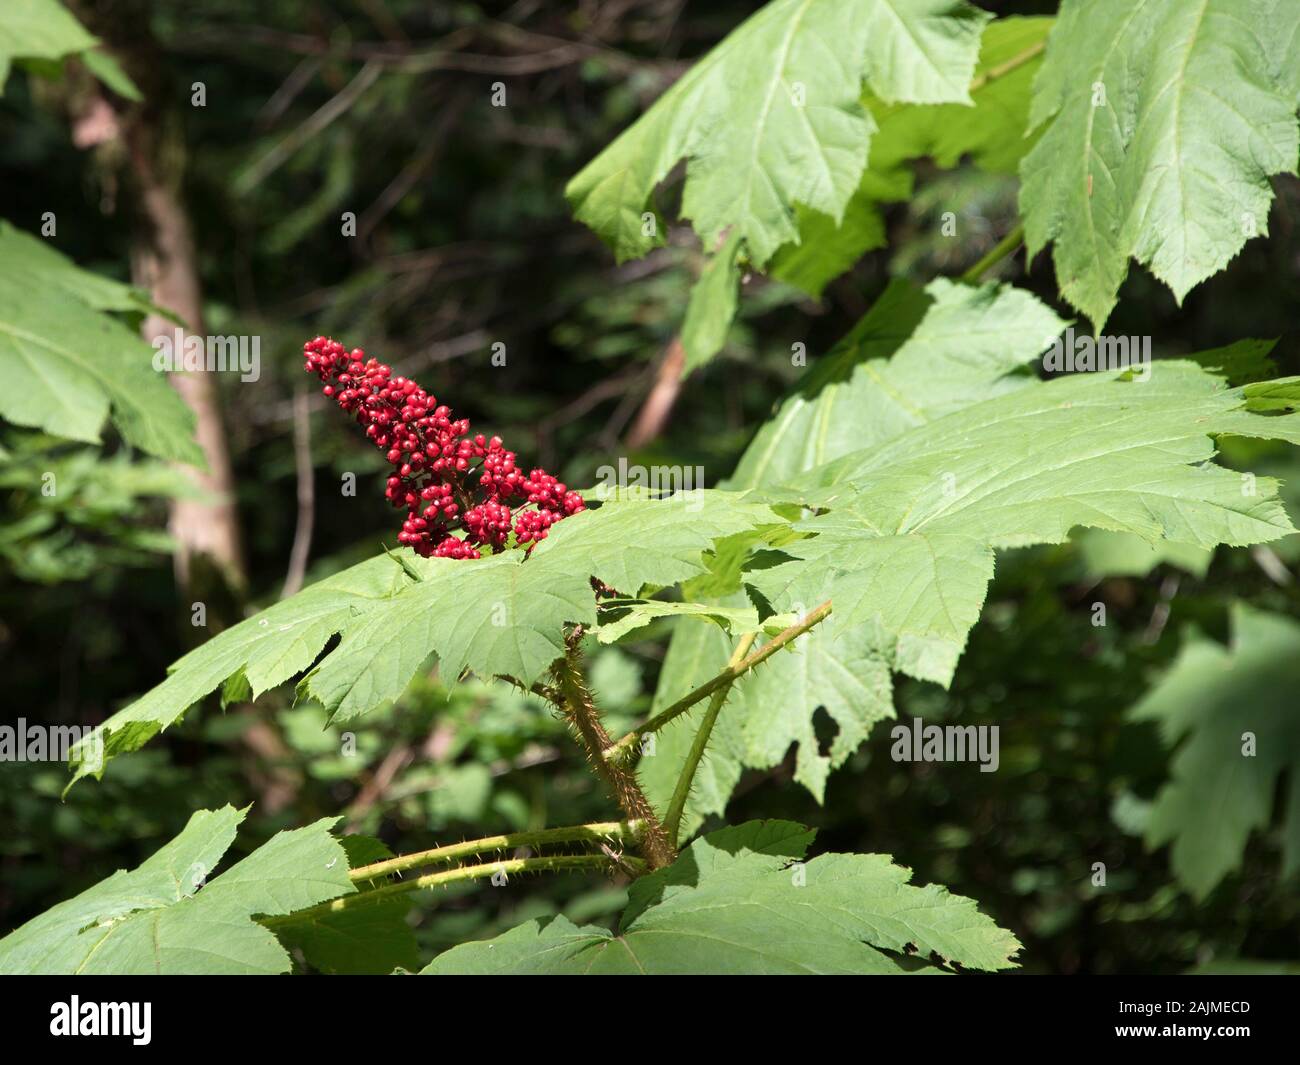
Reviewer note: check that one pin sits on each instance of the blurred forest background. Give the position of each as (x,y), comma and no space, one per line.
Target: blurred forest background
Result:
(463,240)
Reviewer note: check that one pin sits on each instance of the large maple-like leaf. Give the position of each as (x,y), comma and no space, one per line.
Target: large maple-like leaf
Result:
(913,358)
(503,615)
(1231,714)
(69,367)
(166,917)
(742,900)
(1165,120)
(992,134)
(906,548)
(772,118)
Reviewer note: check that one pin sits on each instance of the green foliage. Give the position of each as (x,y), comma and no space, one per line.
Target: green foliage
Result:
(38,29)
(618,617)
(712,304)
(503,615)
(34,261)
(1163,123)
(910,552)
(992,134)
(887,481)
(164,917)
(989,125)
(1229,714)
(71,512)
(265,651)
(772,118)
(742,900)
(69,366)
(914,357)
(374,939)
(38,32)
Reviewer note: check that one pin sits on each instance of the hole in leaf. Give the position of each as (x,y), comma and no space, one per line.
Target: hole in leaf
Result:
(826,729)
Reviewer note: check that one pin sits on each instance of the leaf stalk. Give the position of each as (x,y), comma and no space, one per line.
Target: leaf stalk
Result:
(625,748)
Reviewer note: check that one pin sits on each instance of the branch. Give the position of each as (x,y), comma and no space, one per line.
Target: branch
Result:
(620,751)
(322,117)
(301,550)
(654,414)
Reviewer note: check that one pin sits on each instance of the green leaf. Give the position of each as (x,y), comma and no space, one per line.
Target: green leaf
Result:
(742,900)
(1164,122)
(38,29)
(712,306)
(505,615)
(36,262)
(992,134)
(106,69)
(772,118)
(267,650)
(370,940)
(846,676)
(1207,706)
(995,133)
(618,617)
(1117,554)
(913,358)
(906,549)
(826,247)
(164,917)
(68,366)
(502,615)
(1241,363)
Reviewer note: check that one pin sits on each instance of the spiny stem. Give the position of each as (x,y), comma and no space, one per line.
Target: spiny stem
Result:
(546,863)
(537,688)
(1006,246)
(673,818)
(580,710)
(625,747)
(597,832)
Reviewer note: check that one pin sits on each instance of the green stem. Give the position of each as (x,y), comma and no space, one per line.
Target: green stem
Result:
(1003,69)
(627,745)
(597,832)
(546,863)
(1006,246)
(673,818)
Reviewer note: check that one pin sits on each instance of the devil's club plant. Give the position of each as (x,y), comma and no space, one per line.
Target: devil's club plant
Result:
(855,540)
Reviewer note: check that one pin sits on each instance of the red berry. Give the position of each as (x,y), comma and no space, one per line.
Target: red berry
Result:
(433,452)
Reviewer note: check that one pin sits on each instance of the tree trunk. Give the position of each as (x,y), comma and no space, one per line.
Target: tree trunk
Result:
(209,551)
(164,263)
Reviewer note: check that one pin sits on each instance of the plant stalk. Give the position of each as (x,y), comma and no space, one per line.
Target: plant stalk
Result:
(580,711)
(598,832)
(1006,246)
(622,750)
(677,804)
(1003,69)
(546,863)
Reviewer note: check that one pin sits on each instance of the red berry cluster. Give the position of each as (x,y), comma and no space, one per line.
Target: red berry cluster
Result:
(435,458)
